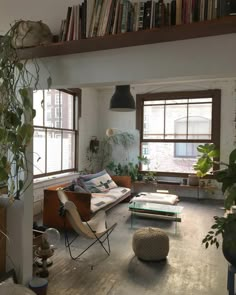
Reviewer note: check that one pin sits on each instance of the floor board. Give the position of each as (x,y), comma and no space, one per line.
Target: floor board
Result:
(189,268)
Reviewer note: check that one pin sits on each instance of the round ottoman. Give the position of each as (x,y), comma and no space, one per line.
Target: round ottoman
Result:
(150,244)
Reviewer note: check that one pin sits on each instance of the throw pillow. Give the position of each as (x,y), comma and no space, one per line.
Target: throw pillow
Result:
(99,182)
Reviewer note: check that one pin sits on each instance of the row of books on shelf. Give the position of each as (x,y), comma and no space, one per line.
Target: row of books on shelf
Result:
(95,18)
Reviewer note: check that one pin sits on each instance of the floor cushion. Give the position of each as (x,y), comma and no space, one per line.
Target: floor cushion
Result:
(150,244)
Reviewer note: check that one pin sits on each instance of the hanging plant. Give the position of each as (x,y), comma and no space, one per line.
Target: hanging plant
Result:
(16,113)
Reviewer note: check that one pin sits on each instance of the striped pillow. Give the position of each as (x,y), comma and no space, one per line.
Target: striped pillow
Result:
(98,183)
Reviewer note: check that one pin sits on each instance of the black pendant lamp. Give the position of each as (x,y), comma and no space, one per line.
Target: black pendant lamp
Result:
(122,100)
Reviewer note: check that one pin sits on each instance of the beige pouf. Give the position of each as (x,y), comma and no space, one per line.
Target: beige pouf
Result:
(150,244)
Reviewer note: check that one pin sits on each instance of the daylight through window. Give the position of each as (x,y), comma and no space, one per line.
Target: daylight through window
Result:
(172,125)
(54,132)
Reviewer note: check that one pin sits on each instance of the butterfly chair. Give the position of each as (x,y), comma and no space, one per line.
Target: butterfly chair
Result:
(95,229)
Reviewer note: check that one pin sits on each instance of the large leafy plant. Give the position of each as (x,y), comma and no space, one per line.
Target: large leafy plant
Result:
(227,177)
(16,114)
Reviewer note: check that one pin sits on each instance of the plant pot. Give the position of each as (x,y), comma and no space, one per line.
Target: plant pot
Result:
(193,180)
(229,243)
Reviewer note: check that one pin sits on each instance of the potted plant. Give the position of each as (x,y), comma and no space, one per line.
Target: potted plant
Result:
(223,225)
(130,169)
(16,112)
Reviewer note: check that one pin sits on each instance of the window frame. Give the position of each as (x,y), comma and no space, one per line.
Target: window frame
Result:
(76,114)
(215,94)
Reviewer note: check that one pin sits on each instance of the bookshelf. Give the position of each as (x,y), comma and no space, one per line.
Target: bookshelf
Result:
(221,26)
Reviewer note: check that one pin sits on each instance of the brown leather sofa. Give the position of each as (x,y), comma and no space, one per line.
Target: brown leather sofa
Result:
(82,201)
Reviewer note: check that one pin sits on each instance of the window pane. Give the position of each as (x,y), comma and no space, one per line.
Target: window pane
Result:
(53,151)
(197,100)
(150,102)
(162,158)
(176,101)
(39,151)
(37,105)
(153,125)
(174,113)
(200,116)
(186,149)
(67,113)
(68,150)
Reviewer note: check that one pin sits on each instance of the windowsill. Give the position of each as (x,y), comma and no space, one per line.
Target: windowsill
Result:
(52,177)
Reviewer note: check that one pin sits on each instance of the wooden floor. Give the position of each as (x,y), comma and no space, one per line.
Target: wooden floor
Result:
(189,269)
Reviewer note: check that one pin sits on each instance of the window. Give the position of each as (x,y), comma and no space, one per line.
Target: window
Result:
(54,132)
(172,125)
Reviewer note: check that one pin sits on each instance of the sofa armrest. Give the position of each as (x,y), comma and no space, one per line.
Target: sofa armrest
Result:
(51,206)
(124,181)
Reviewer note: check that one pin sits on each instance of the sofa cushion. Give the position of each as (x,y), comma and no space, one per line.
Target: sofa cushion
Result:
(98,182)
(101,200)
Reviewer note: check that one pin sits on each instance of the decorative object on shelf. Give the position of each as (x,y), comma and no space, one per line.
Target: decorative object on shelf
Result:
(122,100)
(31,33)
(193,179)
(16,113)
(225,225)
(50,239)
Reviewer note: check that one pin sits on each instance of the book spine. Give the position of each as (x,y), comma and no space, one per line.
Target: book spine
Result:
(206,10)
(89,13)
(96,23)
(173,12)
(114,29)
(141,15)
(106,16)
(124,16)
(209,10)
(69,35)
(101,17)
(67,23)
(111,17)
(178,12)
(120,17)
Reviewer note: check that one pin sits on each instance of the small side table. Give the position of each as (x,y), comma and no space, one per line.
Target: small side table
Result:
(230,279)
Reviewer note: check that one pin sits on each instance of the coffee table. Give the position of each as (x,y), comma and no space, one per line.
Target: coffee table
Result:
(154,210)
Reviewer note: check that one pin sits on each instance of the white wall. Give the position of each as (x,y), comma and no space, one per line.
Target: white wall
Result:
(89,123)
(126,121)
(201,58)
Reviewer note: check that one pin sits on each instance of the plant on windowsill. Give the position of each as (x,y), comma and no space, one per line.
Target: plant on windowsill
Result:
(223,225)
(16,113)
(130,169)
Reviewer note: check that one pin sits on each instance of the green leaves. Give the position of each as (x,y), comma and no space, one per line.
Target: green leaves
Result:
(16,112)
(206,160)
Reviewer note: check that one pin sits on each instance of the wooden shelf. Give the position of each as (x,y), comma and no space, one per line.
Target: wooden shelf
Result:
(225,25)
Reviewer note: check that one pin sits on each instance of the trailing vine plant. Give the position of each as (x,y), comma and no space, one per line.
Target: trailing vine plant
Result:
(16,114)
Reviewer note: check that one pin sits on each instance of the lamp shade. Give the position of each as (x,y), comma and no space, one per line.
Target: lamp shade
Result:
(122,100)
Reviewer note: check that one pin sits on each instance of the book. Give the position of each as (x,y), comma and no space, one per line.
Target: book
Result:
(66,23)
(124,16)
(119,17)
(178,12)
(101,17)
(69,35)
(114,28)
(111,17)
(89,13)
(173,13)
(106,16)
(141,15)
